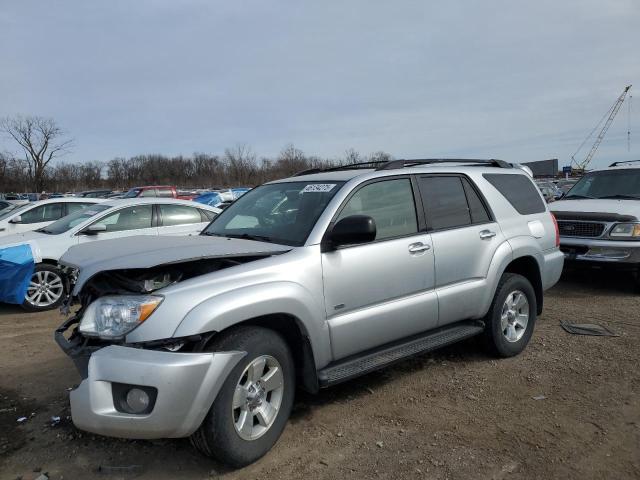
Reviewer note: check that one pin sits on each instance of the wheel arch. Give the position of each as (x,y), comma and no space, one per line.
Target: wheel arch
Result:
(296,337)
(528,267)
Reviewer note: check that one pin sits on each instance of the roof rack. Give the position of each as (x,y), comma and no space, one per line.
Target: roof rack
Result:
(615,164)
(392,164)
(349,166)
(428,161)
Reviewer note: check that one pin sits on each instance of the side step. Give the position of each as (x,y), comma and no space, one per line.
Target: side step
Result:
(378,358)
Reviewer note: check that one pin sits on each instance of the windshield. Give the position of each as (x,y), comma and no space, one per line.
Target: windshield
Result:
(623,183)
(133,193)
(17,210)
(281,213)
(70,221)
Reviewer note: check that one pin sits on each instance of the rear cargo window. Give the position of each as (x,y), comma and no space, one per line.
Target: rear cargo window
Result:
(519,191)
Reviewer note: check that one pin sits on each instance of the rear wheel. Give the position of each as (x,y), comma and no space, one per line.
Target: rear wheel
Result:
(512,316)
(254,403)
(46,289)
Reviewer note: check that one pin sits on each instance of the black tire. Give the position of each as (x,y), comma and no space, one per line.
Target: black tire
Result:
(494,336)
(52,272)
(217,436)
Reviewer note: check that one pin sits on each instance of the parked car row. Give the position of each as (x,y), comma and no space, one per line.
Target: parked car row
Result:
(51,227)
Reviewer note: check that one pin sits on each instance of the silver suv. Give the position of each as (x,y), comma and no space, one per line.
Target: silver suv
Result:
(599,219)
(307,281)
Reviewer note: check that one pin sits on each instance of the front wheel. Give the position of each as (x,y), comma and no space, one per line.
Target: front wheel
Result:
(46,289)
(512,316)
(254,403)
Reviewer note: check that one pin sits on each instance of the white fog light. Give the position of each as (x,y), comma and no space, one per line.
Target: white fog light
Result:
(137,400)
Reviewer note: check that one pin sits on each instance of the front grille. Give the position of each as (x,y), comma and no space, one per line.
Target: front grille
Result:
(580,229)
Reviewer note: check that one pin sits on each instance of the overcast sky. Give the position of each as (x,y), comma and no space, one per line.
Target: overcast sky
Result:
(519,80)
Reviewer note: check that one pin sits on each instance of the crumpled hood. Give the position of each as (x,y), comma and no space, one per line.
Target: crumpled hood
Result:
(145,251)
(620,207)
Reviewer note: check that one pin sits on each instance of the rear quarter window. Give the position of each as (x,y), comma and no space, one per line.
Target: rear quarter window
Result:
(519,192)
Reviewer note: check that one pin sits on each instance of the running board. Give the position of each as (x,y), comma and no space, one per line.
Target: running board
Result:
(375,359)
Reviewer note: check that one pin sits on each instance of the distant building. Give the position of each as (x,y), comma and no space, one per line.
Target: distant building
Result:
(544,168)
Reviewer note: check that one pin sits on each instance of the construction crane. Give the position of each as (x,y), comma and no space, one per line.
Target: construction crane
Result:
(609,115)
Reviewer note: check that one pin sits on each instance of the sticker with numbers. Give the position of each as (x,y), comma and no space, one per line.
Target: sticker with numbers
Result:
(318,187)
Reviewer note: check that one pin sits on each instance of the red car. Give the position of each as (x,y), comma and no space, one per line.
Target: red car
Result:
(165,191)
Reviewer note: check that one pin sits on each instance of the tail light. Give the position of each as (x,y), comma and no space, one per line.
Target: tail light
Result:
(555,224)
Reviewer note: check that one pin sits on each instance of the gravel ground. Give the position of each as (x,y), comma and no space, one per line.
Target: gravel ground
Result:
(568,407)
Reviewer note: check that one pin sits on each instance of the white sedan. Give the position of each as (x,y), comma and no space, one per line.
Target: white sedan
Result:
(105,220)
(34,215)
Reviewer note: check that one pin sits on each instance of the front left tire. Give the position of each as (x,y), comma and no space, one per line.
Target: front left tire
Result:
(255,401)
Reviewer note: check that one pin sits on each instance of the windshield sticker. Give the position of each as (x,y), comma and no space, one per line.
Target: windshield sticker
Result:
(318,188)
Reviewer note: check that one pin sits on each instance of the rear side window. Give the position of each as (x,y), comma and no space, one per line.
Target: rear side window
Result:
(165,192)
(477,209)
(519,191)
(179,215)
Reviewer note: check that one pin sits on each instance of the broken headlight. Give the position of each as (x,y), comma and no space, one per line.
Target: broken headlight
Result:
(112,317)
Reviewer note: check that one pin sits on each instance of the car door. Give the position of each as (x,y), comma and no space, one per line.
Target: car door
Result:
(465,237)
(383,290)
(125,222)
(37,217)
(177,219)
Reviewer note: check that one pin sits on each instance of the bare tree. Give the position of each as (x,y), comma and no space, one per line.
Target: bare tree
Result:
(40,139)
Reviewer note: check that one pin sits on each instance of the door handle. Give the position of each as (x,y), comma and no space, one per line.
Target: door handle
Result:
(418,247)
(484,234)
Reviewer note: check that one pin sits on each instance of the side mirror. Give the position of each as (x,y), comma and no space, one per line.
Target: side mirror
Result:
(353,230)
(95,229)
(17,219)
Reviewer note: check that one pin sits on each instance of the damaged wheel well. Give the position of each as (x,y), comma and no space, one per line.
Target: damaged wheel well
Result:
(298,341)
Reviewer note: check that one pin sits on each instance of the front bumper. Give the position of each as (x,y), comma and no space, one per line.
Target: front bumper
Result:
(600,251)
(186,383)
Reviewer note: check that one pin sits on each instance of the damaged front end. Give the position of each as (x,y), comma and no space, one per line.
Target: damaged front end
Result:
(79,345)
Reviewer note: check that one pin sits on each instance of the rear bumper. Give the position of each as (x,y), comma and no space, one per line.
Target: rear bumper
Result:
(186,383)
(600,251)
(553,265)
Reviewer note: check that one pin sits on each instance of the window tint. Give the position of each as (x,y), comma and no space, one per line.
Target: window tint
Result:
(179,215)
(444,201)
(131,218)
(150,192)
(519,191)
(44,213)
(477,209)
(390,203)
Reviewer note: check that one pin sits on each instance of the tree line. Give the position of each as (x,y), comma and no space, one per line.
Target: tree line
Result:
(237,166)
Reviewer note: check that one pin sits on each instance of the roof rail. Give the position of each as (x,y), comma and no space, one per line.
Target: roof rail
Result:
(615,164)
(350,166)
(428,161)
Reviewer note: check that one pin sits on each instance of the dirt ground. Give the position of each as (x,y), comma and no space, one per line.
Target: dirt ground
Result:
(568,407)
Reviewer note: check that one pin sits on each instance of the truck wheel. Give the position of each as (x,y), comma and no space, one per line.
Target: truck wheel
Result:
(46,289)
(254,403)
(512,316)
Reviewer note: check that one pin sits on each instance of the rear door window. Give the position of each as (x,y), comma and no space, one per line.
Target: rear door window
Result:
(444,201)
(519,192)
(179,215)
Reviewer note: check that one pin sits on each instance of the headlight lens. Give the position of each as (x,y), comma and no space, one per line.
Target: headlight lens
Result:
(115,316)
(627,230)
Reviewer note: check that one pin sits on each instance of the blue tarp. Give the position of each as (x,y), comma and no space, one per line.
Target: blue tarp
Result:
(16,268)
